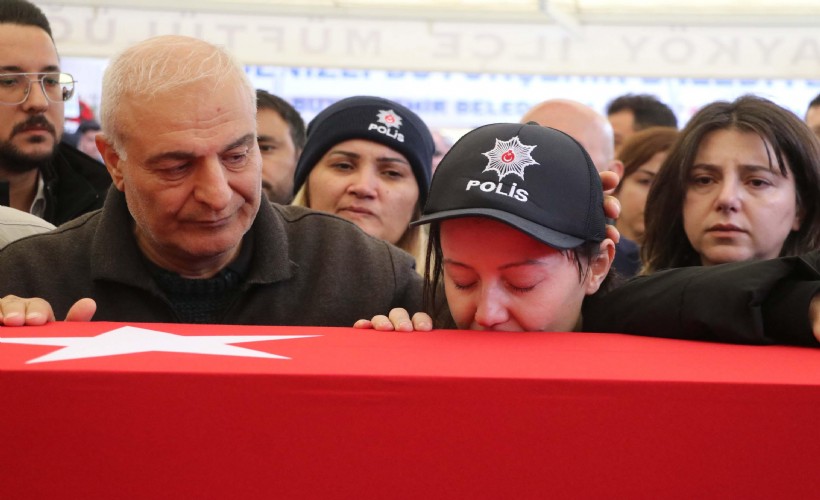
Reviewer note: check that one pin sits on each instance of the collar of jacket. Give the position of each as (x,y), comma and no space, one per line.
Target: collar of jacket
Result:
(118,258)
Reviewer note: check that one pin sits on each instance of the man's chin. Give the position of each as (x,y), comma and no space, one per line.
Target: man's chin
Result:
(217,247)
(30,157)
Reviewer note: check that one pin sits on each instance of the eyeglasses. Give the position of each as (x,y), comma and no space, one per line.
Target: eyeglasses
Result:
(16,87)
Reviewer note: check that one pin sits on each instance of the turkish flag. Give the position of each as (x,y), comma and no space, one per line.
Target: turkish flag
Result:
(108,410)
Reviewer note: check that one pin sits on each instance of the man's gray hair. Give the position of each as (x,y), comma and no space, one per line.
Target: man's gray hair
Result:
(160,65)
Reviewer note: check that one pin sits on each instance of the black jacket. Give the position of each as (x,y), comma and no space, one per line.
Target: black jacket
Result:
(75,184)
(752,302)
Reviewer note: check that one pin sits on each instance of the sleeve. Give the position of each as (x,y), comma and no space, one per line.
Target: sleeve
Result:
(755,302)
(407,282)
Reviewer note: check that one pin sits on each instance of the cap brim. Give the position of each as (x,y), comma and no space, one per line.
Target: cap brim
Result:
(543,234)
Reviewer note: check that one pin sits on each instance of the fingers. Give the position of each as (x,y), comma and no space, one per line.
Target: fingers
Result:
(422,322)
(814,316)
(397,320)
(382,323)
(363,324)
(612,207)
(401,320)
(613,234)
(609,180)
(82,310)
(16,311)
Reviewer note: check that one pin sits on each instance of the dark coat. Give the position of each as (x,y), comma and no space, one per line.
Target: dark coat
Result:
(752,302)
(75,184)
(307,268)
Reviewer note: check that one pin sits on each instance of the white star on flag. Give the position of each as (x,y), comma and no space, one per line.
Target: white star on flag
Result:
(131,340)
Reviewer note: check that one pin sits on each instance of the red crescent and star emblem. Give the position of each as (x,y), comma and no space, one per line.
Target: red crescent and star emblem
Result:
(509,157)
(389,118)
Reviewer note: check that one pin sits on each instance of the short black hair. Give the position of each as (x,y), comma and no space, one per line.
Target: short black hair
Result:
(266,100)
(815,102)
(24,13)
(87,126)
(649,111)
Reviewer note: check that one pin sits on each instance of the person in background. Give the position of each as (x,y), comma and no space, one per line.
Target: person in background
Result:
(368,160)
(642,155)
(39,174)
(813,116)
(87,138)
(443,145)
(583,124)
(594,132)
(742,182)
(281,136)
(631,113)
(16,224)
(184,235)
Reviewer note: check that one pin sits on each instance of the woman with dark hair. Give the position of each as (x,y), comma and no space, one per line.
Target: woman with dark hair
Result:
(742,182)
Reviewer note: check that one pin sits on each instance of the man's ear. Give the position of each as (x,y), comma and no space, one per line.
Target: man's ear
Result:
(112,160)
(599,266)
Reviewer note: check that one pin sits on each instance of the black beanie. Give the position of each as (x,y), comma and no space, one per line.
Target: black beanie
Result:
(373,119)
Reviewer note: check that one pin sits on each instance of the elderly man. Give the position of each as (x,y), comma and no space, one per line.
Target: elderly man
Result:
(583,124)
(38,174)
(184,236)
(594,133)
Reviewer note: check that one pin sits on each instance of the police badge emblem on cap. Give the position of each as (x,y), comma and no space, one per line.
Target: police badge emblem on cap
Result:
(372,119)
(388,123)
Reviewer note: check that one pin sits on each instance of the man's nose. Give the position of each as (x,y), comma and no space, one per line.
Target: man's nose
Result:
(212,187)
(35,97)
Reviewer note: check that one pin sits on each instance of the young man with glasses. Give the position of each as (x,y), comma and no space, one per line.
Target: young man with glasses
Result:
(38,174)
